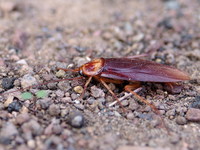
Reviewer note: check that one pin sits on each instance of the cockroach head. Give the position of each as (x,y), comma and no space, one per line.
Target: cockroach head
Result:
(92,68)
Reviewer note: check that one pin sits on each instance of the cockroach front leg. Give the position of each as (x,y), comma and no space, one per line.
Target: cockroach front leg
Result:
(85,87)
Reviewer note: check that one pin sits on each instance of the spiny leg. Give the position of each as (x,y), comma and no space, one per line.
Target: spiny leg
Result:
(85,86)
(125,96)
(131,87)
(112,93)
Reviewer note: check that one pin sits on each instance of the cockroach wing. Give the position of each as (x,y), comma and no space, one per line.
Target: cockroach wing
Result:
(141,70)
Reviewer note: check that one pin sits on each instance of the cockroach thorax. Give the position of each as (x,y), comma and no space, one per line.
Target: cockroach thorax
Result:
(93,67)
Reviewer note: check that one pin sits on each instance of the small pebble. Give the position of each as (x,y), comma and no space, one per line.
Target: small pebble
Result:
(65,100)
(101,100)
(24,109)
(14,106)
(54,110)
(28,81)
(8,101)
(48,129)
(181,110)
(174,5)
(8,130)
(76,119)
(44,103)
(125,103)
(78,89)
(166,23)
(19,140)
(8,83)
(31,144)
(80,49)
(97,92)
(74,96)
(52,86)
(100,105)
(130,116)
(181,120)
(91,100)
(60,74)
(56,142)
(31,128)
(171,113)
(57,129)
(79,106)
(94,105)
(196,103)
(22,62)
(133,105)
(60,93)
(138,37)
(64,112)
(174,138)
(162,112)
(171,97)
(7,6)
(64,86)
(22,118)
(193,114)
(80,60)
(117,114)
(128,28)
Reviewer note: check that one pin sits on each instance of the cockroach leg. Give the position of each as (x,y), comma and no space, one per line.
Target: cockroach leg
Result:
(130,89)
(112,93)
(85,87)
(125,96)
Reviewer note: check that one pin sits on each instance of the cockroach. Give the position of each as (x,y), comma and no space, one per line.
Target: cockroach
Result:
(134,70)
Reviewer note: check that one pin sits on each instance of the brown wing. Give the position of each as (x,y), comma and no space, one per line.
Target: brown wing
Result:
(141,70)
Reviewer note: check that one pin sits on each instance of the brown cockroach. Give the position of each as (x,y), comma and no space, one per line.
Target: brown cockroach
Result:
(134,70)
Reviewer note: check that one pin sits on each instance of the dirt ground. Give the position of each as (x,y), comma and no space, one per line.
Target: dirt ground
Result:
(36,37)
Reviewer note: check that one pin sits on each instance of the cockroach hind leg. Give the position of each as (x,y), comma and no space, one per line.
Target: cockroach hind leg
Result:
(130,89)
(125,96)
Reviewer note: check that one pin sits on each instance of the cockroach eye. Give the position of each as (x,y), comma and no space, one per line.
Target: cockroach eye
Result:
(81,72)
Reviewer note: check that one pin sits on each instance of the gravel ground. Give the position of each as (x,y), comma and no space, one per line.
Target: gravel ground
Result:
(36,37)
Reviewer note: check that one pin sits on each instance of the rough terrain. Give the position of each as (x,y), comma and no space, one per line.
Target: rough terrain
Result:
(36,37)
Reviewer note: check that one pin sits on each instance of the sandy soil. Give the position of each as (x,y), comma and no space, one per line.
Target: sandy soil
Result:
(36,37)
